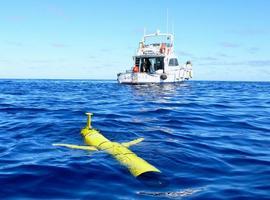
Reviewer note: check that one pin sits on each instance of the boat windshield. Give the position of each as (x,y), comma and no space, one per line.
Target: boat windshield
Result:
(157,40)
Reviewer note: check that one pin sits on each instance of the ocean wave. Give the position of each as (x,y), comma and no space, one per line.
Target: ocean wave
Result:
(210,135)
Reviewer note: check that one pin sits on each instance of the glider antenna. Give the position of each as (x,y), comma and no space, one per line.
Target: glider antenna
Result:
(88,124)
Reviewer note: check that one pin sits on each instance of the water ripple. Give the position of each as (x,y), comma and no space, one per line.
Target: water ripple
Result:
(209,137)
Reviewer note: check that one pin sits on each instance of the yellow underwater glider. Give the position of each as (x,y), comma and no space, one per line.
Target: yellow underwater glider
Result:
(96,141)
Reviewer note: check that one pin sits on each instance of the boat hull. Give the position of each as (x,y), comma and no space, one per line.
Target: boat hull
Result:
(146,78)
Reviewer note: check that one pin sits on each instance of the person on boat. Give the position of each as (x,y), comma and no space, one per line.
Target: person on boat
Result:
(143,66)
(147,65)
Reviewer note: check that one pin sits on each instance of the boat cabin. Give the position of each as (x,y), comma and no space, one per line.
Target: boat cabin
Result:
(149,63)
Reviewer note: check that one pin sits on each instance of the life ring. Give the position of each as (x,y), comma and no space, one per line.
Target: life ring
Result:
(135,69)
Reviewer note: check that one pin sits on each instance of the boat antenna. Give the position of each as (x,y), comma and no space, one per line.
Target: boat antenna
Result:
(144,31)
(173,28)
(172,32)
(167,20)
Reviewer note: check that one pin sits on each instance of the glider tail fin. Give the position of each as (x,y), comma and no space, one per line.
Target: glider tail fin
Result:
(72,146)
(133,142)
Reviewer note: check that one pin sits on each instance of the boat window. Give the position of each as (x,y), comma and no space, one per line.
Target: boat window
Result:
(159,64)
(137,61)
(157,39)
(173,62)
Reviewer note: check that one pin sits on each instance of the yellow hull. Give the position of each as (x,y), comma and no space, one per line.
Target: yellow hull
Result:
(120,152)
(135,164)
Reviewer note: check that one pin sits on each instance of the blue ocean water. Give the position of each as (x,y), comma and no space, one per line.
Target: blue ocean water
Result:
(211,140)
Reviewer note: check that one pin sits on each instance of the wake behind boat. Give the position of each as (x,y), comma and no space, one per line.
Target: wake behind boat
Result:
(156,62)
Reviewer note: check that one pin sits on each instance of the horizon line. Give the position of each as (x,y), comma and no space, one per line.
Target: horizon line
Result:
(95,79)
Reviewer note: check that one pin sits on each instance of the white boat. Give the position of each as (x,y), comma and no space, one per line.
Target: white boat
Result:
(156,62)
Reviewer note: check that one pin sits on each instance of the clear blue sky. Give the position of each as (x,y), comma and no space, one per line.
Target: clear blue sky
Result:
(225,40)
